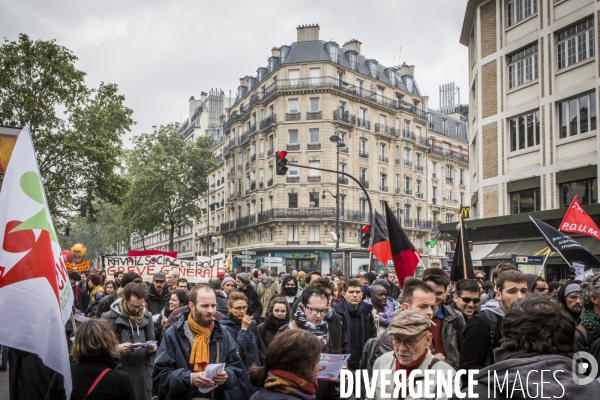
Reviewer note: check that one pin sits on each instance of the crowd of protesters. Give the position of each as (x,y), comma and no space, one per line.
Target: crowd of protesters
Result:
(154,340)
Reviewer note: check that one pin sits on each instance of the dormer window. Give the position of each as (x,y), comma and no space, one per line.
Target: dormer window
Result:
(353,61)
(393,78)
(409,84)
(334,53)
(282,55)
(270,64)
(373,68)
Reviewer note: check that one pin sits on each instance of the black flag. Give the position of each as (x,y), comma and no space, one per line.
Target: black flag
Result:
(462,264)
(563,244)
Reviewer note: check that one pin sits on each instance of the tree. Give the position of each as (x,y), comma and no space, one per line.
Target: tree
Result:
(168,176)
(76,131)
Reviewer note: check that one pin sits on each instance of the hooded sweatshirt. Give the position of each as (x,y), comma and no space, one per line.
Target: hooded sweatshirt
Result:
(531,280)
(524,379)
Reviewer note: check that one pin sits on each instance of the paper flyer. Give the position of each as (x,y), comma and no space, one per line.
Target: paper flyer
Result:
(332,364)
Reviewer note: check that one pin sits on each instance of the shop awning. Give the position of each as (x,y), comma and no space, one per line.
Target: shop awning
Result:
(480,251)
(504,251)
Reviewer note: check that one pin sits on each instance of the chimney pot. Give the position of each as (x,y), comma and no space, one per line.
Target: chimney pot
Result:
(308,32)
(352,45)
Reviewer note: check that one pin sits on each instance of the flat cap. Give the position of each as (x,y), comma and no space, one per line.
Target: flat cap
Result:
(408,323)
(159,276)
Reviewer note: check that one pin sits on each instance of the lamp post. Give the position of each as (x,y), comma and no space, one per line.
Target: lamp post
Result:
(338,141)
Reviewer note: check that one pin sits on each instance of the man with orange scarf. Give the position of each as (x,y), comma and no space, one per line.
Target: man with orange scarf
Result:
(193,342)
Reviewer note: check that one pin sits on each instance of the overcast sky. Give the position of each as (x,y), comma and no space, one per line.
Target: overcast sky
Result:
(162,52)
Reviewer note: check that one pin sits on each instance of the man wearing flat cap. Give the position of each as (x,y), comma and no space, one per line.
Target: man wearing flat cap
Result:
(411,340)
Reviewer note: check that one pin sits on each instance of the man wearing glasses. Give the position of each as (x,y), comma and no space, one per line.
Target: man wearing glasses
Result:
(466,297)
(411,339)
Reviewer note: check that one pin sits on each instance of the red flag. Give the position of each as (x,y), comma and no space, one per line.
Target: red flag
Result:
(403,251)
(380,243)
(576,220)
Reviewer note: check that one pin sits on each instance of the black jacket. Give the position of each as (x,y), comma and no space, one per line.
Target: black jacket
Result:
(104,305)
(172,364)
(255,307)
(29,378)
(115,385)
(156,302)
(475,345)
(84,298)
(370,327)
(394,291)
(221,302)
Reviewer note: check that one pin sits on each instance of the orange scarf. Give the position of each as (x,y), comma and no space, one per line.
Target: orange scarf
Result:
(200,356)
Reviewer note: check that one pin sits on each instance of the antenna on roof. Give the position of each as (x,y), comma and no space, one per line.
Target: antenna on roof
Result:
(400,56)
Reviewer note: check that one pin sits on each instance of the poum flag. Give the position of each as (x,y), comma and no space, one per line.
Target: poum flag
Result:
(576,220)
(380,242)
(462,264)
(403,252)
(35,294)
(569,248)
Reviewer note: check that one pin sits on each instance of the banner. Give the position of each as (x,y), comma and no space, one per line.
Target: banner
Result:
(81,267)
(147,266)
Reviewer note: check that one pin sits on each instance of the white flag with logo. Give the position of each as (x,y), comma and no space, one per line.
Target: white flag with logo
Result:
(35,293)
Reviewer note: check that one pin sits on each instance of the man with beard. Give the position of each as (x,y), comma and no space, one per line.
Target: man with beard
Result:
(482,332)
(244,285)
(466,297)
(569,296)
(118,276)
(266,289)
(158,295)
(195,341)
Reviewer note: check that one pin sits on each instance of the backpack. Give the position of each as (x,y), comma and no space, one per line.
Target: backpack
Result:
(492,320)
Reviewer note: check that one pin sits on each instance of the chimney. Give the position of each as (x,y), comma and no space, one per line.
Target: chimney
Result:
(275,52)
(308,32)
(406,69)
(352,45)
(243,81)
(203,96)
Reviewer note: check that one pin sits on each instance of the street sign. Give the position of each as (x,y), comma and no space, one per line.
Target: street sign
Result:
(273,259)
(244,257)
(274,265)
(248,264)
(529,260)
(251,253)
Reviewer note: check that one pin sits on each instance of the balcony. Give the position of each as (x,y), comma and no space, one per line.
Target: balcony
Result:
(261,184)
(408,163)
(419,168)
(433,175)
(292,179)
(261,155)
(253,158)
(245,221)
(222,180)
(397,190)
(461,182)
(240,167)
(344,117)
(247,164)
(313,179)
(383,129)
(244,137)
(383,159)
(397,161)
(434,201)
(364,183)
(231,196)
(421,141)
(311,116)
(419,195)
(270,152)
(407,222)
(212,185)
(312,212)
(408,135)
(268,121)
(408,192)
(293,116)
(218,159)
(448,179)
(270,182)
(313,146)
(364,123)
(292,242)
(456,155)
(383,188)
(293,147)
(344,149)
(422,224)
(363,154)
(232,169)
(343,181)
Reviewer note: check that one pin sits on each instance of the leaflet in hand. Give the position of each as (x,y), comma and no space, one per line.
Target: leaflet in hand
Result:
(147,344)
(333,364)
(210,371)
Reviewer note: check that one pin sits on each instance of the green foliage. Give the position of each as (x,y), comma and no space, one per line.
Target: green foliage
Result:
(76,131)
(168,175)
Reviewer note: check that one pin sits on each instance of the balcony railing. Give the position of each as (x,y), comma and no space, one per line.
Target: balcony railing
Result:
(240,167)
(419,168)
(383,188)
(408,192)
(293,116)
(293,147)
(268,121)
(364,123)
(343,180)
(225,226)
(449,153)
(344,149)
(419,195)
(313,179)
(270,182)
(261,154)
(344,117)
(448,179)
(422,224)
(229,146)
(385,130)
(310,116)
(218,159)
(253,158)
(397,190)
(270,152)
(313,146)
(407,163)
(247,164)
(408,135)
(434,201)
(407,222)
(364,183)
(312,212)
(231,196)
(261,184)
(245,221)
(398,161)
(383,159)
(292,179)
(363,154)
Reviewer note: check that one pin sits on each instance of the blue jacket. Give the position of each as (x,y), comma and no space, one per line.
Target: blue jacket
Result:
(172,364)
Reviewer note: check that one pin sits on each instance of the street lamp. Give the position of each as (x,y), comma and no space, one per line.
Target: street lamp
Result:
(338,141)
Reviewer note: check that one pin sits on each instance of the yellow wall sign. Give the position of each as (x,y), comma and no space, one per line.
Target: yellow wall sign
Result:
(465,212)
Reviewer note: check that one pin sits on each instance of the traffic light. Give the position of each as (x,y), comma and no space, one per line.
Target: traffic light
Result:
(281,162)
(365,236)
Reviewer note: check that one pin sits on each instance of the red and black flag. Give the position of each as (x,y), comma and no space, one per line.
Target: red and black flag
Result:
(380,242)
(402,250)
(462,264)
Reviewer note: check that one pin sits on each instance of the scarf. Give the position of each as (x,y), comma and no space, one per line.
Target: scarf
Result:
(235,319)
(589,319)
(388,310)
(286,382)
(97,290)
(274,324)
(200,355)
(409,368)
(302,283)
(303,323)
(135,318)
(356,313)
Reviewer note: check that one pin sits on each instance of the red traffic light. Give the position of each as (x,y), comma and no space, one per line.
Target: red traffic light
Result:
(366,229)
(282,154)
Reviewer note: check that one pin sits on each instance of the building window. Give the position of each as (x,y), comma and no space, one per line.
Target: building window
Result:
(313,199)
(293,200)
(382,150)
(293,106)
(525,201)
(314,164)
(333,53)
(449,218)
(362,205)
(524,131)
(576,43)
(362,174)
(462,176)
(293,136)
(292,170)
(373,68)
(293,233)
(585,190)
(313,233)
(518,10)
(362,146)
(407,180)
(383,181)
(448,194)
(523,66)
(294,75)
(409,84)
(382,207)
(342,202)
(314,104)
(578,115)
(353,61)
(314,136)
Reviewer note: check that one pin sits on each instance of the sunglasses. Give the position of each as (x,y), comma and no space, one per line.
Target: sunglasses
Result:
(467,300)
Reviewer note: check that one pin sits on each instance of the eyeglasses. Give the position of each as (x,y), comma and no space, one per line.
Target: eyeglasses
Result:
(408,343)
(315,311)
(136,308)
(244,308)
(468,300)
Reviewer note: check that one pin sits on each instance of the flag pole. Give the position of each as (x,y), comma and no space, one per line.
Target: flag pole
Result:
(544,263)
(462,240)
(371,260)
(420,262)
